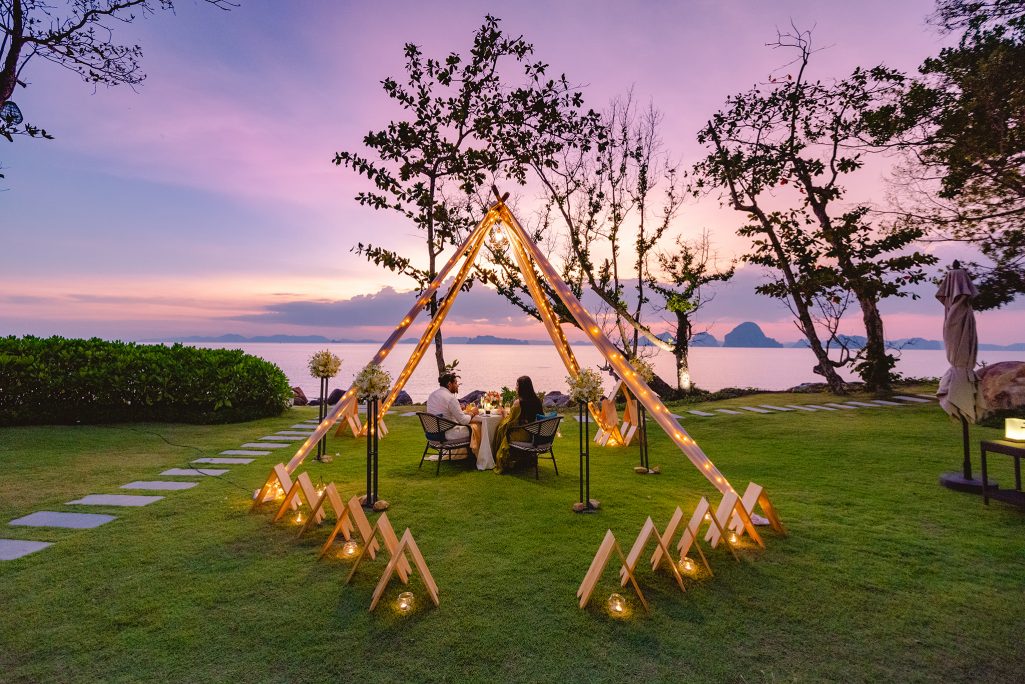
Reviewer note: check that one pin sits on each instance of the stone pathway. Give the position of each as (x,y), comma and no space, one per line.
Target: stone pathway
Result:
(843,406)
(700,413)
(774,408)
(729,412)
(265,445)
(916,400)
(753,409)
(16,548)
(130,500)
(72,521)
(224,461)
(159,485)
(282,438)
(244,452)
(193,472)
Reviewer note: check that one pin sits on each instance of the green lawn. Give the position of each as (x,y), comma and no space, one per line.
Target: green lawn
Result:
(885,576)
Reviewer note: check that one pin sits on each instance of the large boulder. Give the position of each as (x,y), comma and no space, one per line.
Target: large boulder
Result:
(335,396)
(473,397)
(403,399)
(556,400)
(299,397)
(1002,386)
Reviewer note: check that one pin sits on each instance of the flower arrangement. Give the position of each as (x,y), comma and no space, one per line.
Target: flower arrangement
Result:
(372,381)
(324,364)
(586,386)
(642,368)
(492,399)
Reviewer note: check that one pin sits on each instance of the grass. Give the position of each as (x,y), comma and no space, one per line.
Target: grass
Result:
(885,576)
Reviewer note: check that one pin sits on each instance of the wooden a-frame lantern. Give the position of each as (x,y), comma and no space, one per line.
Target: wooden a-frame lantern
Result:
(528,258)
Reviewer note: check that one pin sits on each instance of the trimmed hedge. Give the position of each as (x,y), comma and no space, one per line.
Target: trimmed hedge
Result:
(58,380)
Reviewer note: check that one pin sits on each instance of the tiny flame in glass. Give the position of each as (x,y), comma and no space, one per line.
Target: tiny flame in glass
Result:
(349,549)
(405,602)
(734,538)
(298,518)
(617,604)
(687,565)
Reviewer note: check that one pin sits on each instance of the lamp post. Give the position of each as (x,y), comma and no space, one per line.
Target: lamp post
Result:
(321,414)
(372,446)
(585,505)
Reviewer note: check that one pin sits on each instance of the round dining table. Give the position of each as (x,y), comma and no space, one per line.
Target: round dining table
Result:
(486,425)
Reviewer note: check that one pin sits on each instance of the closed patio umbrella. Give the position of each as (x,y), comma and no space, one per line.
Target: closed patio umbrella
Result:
(958,392)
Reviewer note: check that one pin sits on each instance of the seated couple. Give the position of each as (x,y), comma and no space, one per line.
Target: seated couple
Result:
(525,409)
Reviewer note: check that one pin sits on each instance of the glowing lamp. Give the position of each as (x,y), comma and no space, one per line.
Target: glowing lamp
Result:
(687,565)
(1014,429)
(349,549)
(617,605)
(298,518)
(708,517)
(404,603)
(734,538)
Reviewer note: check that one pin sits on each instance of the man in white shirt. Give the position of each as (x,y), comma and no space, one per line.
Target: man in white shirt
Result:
(443,402)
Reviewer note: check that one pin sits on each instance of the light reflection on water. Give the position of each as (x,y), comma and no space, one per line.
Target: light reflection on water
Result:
(486,366)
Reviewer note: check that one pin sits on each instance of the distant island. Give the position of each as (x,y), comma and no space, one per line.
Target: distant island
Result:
(747,335)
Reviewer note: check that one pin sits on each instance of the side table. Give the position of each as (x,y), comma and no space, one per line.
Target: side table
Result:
(1015,450)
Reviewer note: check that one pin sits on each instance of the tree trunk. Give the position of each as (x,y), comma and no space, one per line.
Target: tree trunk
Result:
(877,372)
(9,75)
(681,350)
(432,256)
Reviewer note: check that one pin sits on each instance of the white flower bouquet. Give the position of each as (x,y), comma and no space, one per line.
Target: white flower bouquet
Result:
(372,381)
(585,387)
(324,364)
(643,369)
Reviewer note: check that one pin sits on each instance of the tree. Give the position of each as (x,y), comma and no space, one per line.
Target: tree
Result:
(962,124)
(76,36)
(685,270)
(801,137)
(464,126)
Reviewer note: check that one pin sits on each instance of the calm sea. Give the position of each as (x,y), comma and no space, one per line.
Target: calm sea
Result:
(492,366)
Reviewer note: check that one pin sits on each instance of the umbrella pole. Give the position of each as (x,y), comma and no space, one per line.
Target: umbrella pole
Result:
(967,449)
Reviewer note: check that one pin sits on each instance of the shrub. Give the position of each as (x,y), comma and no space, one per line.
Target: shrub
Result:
(57,380)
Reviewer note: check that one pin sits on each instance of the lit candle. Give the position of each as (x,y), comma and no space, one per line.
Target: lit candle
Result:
(686,565)
(405,602)
(298,518)
(617,604)
(733,538)
(349,549)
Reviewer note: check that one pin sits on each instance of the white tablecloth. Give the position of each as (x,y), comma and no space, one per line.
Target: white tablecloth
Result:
(488,425)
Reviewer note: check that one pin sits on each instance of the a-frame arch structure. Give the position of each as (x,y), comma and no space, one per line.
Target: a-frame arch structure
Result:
(527,256)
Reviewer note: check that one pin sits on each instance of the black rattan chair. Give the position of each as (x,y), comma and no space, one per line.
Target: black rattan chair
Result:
(542,434)
(435,428)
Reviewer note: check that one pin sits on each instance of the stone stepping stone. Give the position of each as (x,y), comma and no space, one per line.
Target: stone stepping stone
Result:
(861,404)
(843,406)
(303,426)
(71,521)
(164,485)
(753,409)
(128,500)
(16,548)
(817,407)
(702,414)
(801,407)
(407,415)
(244,452)
(930,397)
(302,434)
(193,472)
(915,400)
(264,445)
(224,461)
(883,402)
(729,412)
(281,438)
(775,408)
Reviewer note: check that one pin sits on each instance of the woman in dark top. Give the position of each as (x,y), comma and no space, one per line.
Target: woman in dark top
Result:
(524,410)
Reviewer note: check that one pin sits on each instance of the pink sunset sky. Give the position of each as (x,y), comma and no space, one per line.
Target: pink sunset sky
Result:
(205,202)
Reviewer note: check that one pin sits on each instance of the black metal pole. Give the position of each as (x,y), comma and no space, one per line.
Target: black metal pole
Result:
(376,450)
(644,437)
(368,502)
(967,449)
(321,414)
(587,459)
(580,416)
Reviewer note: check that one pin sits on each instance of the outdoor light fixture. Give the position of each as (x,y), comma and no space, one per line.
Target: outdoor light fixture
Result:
(708,517)
(298,518)
(405,602)
(617,605)
(687,565)
(349,549)
(734,538)
(1014,429)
